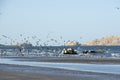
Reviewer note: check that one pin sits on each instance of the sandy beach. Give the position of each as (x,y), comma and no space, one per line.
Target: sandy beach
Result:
(20,72)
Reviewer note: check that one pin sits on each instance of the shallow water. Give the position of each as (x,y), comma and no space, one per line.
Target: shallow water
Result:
(110,51)
(101,68)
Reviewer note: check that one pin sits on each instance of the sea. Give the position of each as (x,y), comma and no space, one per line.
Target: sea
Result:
(109,51)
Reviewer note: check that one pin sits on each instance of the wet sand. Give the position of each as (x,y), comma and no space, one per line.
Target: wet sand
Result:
(70,59)
(17,72)
(28,76)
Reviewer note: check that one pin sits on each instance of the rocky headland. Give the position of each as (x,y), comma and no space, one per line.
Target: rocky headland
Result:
(105,41)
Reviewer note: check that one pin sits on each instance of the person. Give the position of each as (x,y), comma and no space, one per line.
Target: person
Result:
(1,52)
(20,52)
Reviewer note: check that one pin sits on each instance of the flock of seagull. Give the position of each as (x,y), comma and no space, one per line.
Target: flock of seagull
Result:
(38,41)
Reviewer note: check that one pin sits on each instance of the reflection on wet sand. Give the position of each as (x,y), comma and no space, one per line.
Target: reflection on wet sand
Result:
(101,68)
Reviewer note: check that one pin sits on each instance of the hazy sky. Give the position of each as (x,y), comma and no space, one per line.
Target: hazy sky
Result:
(80,20)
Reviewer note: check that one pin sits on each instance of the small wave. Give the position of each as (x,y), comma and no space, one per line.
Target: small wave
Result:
(115,55)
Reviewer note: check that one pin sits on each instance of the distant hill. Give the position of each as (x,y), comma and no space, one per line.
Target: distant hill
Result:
(23,44)
(72,43)
(105,41)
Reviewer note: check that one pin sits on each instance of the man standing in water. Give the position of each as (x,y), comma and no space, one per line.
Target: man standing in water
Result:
(20,51)
(1,52)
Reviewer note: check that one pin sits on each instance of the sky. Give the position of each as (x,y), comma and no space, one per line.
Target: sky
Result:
(62,20)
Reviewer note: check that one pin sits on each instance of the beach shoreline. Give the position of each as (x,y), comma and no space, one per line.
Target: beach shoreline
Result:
(20,72)
(69,59)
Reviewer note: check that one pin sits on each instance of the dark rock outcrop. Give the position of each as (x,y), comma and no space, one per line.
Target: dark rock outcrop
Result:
(69,51)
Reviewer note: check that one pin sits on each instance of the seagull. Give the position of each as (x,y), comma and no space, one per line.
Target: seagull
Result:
(117,8)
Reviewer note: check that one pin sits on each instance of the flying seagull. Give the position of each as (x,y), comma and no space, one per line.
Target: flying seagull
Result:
(117,8)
